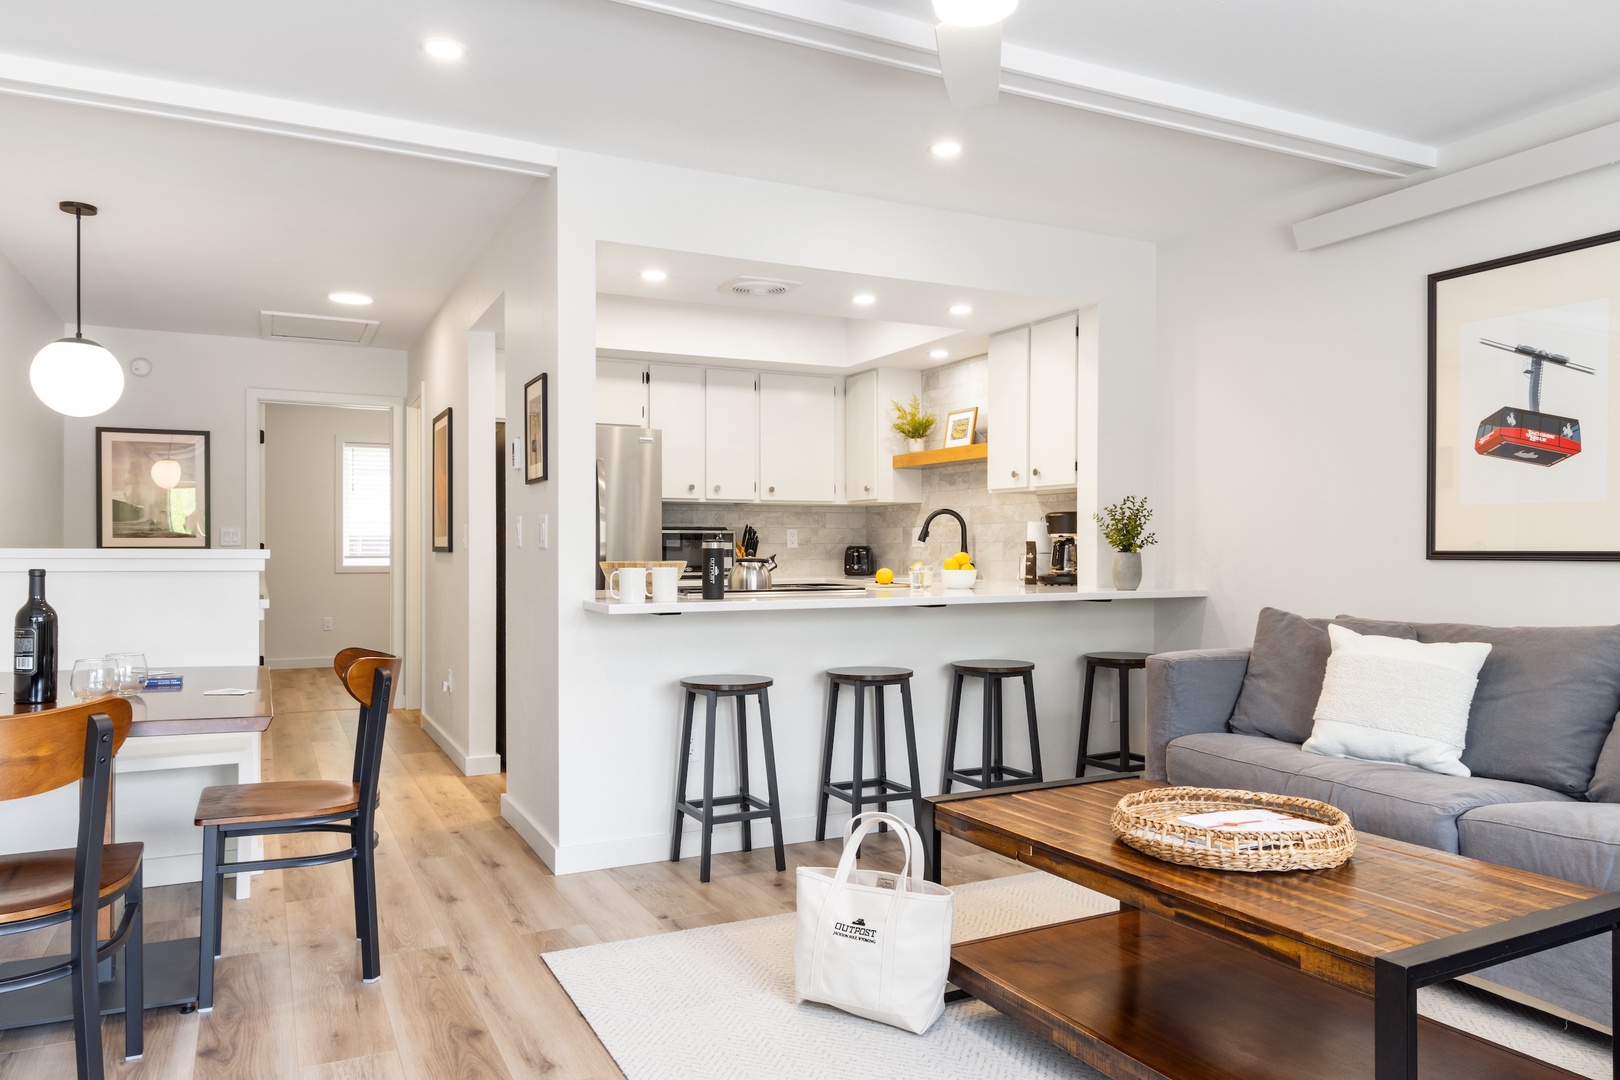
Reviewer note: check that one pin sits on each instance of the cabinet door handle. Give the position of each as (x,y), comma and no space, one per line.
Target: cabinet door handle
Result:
(773,489)
(691,487)
(1015,474)
(1034,472)
(717,489)
(868,487)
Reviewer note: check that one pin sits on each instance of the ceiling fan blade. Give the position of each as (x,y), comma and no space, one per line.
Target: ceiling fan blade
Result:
(970,60)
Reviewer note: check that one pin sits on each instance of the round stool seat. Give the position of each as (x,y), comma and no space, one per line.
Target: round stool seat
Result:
(993,667)
(1117,659)
(869,674)
(727,683)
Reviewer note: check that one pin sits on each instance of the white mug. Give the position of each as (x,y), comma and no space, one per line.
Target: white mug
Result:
(628,585)
(665,583)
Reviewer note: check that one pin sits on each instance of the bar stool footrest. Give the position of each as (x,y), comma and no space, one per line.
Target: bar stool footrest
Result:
(842,788)
(758,808)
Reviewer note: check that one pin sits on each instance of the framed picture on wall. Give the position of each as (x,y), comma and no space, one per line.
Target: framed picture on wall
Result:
(443,523)
(960,426)
(1523,457)
(536,431)
(152,488)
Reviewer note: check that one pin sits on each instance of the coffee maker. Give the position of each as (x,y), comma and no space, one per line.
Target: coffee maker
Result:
(1061,526)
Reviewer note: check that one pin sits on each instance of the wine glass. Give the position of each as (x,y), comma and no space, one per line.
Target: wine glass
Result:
(94,677)
(131,672)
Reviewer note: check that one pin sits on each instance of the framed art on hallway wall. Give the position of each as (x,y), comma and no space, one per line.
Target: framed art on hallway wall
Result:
(443,488)
(152,488)
(1523,461)
(536,460)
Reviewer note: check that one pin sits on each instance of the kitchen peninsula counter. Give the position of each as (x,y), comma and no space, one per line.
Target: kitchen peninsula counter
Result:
(888,596)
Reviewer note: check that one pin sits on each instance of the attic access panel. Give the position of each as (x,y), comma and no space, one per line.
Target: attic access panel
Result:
(1523,451)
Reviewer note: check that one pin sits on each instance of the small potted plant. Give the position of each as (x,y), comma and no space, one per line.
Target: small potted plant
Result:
(912,423)
(1124,527)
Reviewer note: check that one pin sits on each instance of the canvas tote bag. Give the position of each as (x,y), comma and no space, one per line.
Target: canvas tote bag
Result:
(871,942)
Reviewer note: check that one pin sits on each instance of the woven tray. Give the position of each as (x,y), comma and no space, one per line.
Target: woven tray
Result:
(1147,821)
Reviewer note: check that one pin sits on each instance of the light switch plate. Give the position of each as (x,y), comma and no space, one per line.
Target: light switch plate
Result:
(517,453)
(543,537)
(230,536)
(520,530)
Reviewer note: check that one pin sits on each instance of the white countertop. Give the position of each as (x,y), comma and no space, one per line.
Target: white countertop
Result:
(874,596)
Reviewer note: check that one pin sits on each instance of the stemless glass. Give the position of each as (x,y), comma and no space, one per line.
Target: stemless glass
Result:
(131,672)
(93,678)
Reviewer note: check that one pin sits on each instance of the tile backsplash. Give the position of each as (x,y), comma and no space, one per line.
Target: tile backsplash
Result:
(996,521)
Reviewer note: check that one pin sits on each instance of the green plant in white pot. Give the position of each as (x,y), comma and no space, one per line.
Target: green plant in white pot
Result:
(1124,527)
(912,423)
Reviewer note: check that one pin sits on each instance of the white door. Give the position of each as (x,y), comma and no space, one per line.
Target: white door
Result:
(730,435)
(796,432)
(1053,448)
(675,407)
(621,392)
(1008,467)
(860,437)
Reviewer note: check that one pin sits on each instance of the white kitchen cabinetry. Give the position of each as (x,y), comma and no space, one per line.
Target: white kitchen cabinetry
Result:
(675,406)
(1008,468)
(870,441)
(730,436)
(1053,455)
(621,392)
(797,422)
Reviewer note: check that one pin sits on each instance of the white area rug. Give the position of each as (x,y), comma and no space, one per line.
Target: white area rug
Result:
(717,1003)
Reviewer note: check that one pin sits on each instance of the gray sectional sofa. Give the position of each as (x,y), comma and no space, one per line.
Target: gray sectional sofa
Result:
(1542,747)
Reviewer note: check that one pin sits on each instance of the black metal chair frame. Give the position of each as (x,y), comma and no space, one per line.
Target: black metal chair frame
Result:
(993,771)
(750,807)
(358,824)
(856,790)
(86,951)
(1123,760)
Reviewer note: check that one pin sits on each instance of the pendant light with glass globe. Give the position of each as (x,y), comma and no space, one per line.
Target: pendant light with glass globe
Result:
(74,375)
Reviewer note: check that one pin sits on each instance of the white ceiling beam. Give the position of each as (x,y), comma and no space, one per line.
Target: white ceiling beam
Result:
(1539,165)
(51,81)
(851,29)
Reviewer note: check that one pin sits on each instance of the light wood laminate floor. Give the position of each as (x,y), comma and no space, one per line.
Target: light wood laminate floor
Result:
(466,910)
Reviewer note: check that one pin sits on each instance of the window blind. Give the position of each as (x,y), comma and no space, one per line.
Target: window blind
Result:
(367,520)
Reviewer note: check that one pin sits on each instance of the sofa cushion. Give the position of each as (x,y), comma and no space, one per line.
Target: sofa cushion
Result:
(1286,664)
(1397,801)
(1605,785)
(1546,700)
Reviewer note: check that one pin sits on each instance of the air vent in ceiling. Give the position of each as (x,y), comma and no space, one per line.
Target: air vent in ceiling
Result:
(288,326)
(757,286)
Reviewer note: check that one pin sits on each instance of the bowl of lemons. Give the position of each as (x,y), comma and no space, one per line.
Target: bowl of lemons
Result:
(959,571)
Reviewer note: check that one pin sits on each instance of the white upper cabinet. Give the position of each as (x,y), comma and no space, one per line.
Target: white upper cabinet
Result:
(797,431)
(1008,463)
(1053,455)
(621,392)
(731,436)
(675,406)
(870,441)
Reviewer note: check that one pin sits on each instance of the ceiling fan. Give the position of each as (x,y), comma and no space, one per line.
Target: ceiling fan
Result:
(969,37)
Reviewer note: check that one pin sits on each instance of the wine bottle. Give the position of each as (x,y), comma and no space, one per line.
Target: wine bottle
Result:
(34,655)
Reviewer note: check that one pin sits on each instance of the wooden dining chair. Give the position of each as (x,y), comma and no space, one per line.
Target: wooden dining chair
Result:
(40,752)
(304,806)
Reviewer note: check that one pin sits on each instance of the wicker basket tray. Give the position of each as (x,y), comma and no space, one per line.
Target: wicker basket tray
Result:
(1148,821)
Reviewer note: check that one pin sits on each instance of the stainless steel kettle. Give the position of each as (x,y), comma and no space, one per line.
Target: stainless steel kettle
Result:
(752,575)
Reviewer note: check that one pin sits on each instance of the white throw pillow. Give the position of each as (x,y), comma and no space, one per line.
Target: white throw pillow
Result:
(1404,702)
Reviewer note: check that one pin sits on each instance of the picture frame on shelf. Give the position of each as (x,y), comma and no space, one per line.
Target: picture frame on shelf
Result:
(1523,454)
(961,426)
(152,488)
(443,484)
(536,430)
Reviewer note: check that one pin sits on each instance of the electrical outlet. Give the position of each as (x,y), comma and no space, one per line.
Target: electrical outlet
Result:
(520,530)
(326,623)
(793,538)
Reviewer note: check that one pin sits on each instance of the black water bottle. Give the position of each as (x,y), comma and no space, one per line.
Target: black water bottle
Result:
(34,655)
(714,569)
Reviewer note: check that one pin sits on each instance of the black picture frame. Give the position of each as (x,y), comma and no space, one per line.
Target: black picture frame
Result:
(536,430)
(1541,302)
(128,514)
(443,456)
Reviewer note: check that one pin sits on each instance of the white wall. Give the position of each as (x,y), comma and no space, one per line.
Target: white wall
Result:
(1297,421)
(302,477)
(199,383)
(30,434)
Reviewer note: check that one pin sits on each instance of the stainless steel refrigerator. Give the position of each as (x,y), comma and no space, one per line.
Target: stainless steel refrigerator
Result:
(629,495)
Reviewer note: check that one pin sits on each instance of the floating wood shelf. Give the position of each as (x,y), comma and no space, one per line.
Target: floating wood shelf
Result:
(950,455)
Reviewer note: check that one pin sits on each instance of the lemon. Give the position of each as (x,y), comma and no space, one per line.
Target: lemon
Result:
(963,559)
(917,565)
(969,566)
(885,576)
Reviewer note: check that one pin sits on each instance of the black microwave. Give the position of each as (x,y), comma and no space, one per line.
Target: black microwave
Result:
(687,546)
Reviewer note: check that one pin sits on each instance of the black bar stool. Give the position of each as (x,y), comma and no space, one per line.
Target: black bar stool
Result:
(856,790)
(992,770)
(715,687)
(1123,760)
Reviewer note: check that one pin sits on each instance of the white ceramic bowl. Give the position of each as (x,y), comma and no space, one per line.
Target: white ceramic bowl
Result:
(959,579)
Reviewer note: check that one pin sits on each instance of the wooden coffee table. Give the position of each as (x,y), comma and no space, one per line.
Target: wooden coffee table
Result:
(1271,976)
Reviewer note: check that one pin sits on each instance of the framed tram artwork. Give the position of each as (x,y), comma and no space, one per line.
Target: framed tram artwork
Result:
(1523,458)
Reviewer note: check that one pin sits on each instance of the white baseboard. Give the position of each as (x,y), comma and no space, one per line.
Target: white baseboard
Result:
(469,764)
(645,849)
(283,663)
(524,824)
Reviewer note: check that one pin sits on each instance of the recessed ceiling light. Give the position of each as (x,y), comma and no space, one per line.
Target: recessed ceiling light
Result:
(356,298)
(654,275)
(961,309)
(864,299)
(973,12)
(939,354)
(444,48)
(946,148)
